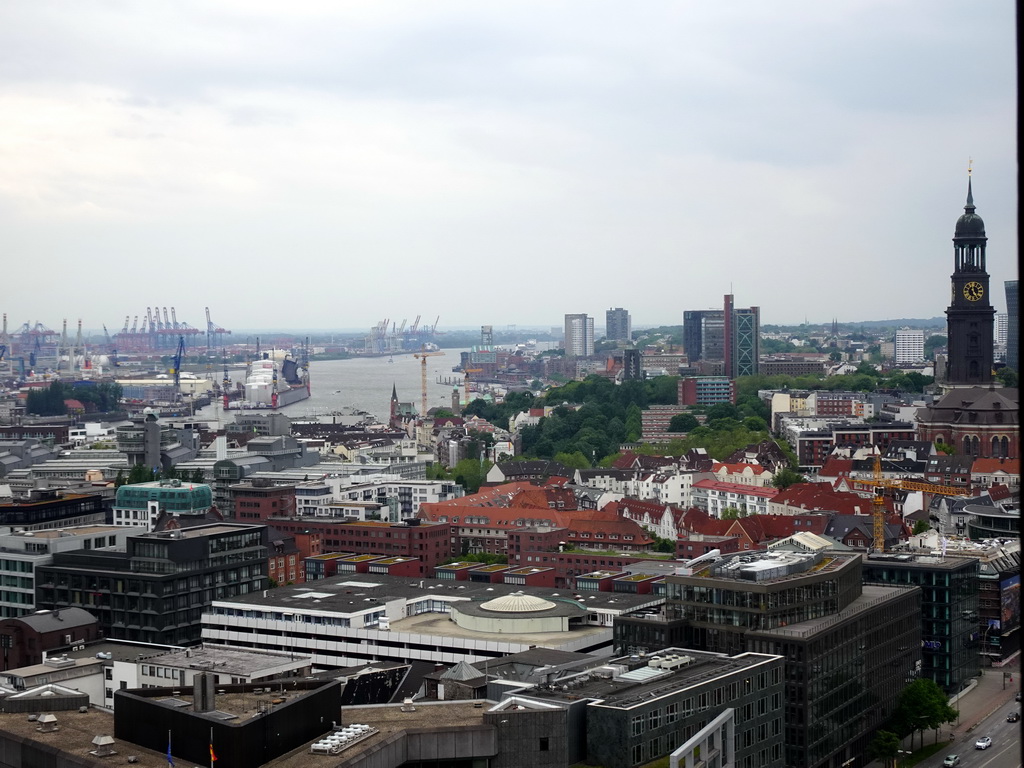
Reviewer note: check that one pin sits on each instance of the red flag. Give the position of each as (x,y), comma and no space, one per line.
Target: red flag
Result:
(213,757)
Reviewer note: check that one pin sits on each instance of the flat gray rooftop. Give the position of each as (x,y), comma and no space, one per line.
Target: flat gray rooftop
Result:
(871,596)
(358,591)
(240,662)
(625,693)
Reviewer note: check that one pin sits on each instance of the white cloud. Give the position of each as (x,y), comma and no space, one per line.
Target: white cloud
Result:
(501,164)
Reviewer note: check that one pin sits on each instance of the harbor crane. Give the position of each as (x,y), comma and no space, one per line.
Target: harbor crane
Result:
(878,484)
(214,333)
(126,319)
(176,364)
(111,350)
(422,356)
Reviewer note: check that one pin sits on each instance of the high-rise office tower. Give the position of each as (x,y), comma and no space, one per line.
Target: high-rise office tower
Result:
(1012,325)
(703,334)
(742,339)
(970,317)
(632,364)
(618,326)
(579,335)
(731,335)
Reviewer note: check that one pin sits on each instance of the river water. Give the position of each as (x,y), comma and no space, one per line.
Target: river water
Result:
(363,384)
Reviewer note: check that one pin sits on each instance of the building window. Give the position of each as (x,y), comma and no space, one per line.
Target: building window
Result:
(544,744)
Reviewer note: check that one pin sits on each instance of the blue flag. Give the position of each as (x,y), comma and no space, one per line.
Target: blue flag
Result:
(170,760)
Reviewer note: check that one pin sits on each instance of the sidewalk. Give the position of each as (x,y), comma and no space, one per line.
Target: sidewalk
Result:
(985,697)
(982,696)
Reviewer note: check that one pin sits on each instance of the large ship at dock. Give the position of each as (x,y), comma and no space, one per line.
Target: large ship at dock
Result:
(269,384)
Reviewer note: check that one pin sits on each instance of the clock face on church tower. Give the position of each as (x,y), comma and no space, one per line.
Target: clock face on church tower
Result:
(974,291)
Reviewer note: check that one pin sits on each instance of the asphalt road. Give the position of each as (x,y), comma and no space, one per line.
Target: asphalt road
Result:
(1005,751)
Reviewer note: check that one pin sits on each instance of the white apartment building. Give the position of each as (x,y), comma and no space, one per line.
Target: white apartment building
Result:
(21,552)
(348,496)
(579,335)
(908,346)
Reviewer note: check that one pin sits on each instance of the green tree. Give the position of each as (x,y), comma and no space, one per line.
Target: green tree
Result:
(633,423)
(119,480)
(683,422)
(945,448)
(885,746)
(923,706)
(574,460)
(731,513)
(197,476)
(470,474)
(49,401)
(139,474)
(1007,376)
(932,343)
(921,526)
(787,477)
(662,544)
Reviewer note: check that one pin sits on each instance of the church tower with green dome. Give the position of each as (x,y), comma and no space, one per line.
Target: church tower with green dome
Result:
(970,317)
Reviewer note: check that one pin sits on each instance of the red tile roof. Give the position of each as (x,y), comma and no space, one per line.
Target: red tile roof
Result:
(821,496)
(737,468)
(988,466)
(739,488)
(836,467)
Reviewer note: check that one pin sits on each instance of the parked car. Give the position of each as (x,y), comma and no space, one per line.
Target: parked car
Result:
(950,761)
(1013,717)
(983,743)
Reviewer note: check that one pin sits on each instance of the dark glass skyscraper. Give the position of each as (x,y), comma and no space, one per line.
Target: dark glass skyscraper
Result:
(1013,326)
(617,325)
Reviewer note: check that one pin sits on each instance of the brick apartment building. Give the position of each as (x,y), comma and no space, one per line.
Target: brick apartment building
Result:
(706,390)
(256,501)
(432,543)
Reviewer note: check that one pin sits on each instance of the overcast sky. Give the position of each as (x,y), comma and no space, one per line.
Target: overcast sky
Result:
(305,165)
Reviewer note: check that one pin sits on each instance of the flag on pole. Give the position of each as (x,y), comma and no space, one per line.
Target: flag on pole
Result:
(213,757)
(170,760)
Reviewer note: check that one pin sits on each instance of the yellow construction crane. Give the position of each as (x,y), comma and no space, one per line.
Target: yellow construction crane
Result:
(423,355)
(465,382)
(878,484)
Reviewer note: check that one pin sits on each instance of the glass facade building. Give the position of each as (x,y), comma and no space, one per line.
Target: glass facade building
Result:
(950,638)
(849,648)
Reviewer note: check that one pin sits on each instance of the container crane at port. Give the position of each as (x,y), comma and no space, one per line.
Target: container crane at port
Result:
(214,333)
(176,364)
(111,350)
(422,356)
(878,484)
(225,384)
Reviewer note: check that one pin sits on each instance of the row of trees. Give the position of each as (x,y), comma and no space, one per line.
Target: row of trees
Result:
(104,397)
(922,706)
(142,474)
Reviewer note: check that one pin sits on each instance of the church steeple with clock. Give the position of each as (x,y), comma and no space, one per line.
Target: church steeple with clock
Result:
(970,318)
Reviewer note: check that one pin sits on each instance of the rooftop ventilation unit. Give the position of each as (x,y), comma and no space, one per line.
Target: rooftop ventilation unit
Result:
(104,746)
(47,723)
